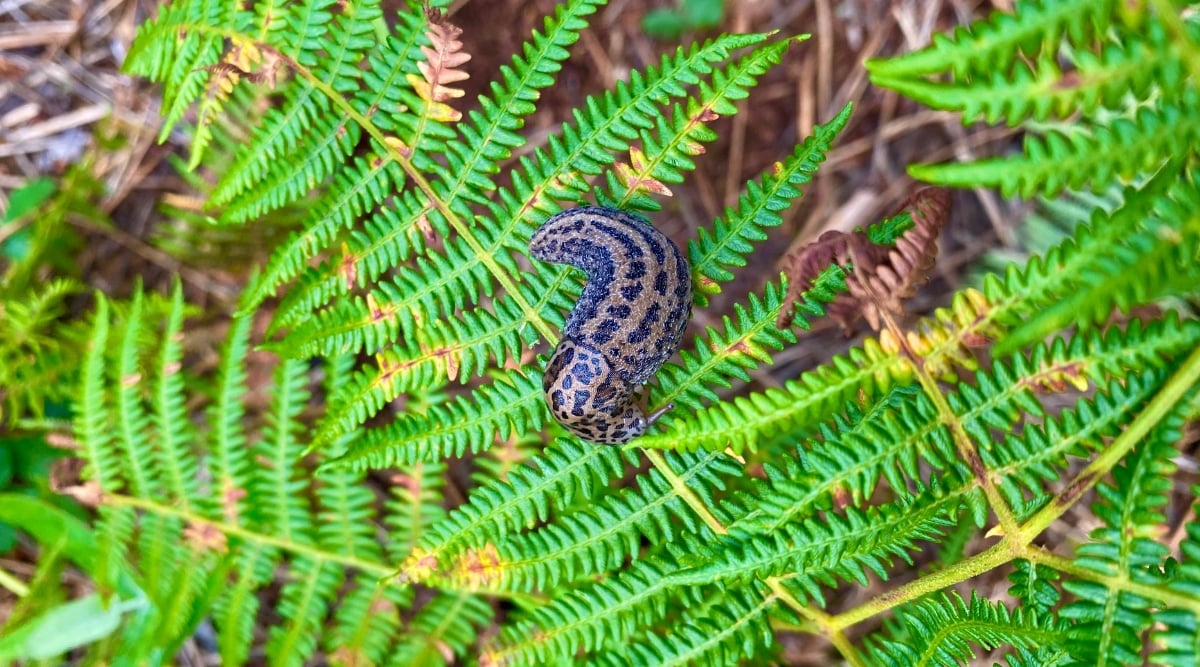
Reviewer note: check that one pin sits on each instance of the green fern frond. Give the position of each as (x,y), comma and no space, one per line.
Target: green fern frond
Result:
(607,124)
(744,342)
(1074,156)
(584,620)
(994,44)
(448,622)
(668,146)
(159,54)
(303,603)
(229,461)
(1136,67)
(92,428)
(177,464)
(284,507)
(1161,252)
(846,544)
(1110,622)
(511,405)
(132,418)
(1120,78)
(733,236)
(457,348)
(940,631)
(564,471)
(1176,634)
(598,538)
(738,630)
(367,619)
(236,612)
(482,148)
(1155,233)
(414,507)
(394,310)
(34,361)
(742,423)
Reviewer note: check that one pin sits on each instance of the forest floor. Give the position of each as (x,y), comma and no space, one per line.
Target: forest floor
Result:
(63,100)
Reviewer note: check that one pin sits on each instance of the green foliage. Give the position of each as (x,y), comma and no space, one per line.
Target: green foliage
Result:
(669,23)
(399,361)
(1104,89)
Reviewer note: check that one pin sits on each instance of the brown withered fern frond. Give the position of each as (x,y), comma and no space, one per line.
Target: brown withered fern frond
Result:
(804,264)
(881,286)
(443,58)
(879,277)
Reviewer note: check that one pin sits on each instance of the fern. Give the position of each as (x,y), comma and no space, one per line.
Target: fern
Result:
(396,493)
(1128,74)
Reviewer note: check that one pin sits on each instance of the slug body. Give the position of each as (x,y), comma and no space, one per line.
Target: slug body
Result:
(629,319)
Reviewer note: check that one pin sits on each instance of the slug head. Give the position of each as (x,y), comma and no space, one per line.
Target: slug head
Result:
(586,396)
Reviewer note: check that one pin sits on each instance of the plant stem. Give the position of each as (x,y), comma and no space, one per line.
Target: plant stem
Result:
(13,584)
(1017,544)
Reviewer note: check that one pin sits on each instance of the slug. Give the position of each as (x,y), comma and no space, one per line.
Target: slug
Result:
(628,320)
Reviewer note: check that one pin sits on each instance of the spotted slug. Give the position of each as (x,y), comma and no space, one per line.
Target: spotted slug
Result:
(628,320)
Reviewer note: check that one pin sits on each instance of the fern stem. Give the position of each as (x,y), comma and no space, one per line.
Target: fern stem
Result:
(974,566)
(1170,18)
(823,622)
(1171,395)
(12,584)
(1117,580)
(962,441)
(231,530)
(684,492)
(1016,544)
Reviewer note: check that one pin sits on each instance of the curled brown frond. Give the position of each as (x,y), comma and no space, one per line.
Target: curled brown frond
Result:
(880,276)
(805,264)
(883,285)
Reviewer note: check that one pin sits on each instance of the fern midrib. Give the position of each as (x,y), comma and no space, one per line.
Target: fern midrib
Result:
(497,512)
(301,624)
(630,522)
(969,629)
(714,640)
(300,549)
(531,316)
(886,365)
(550,630)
